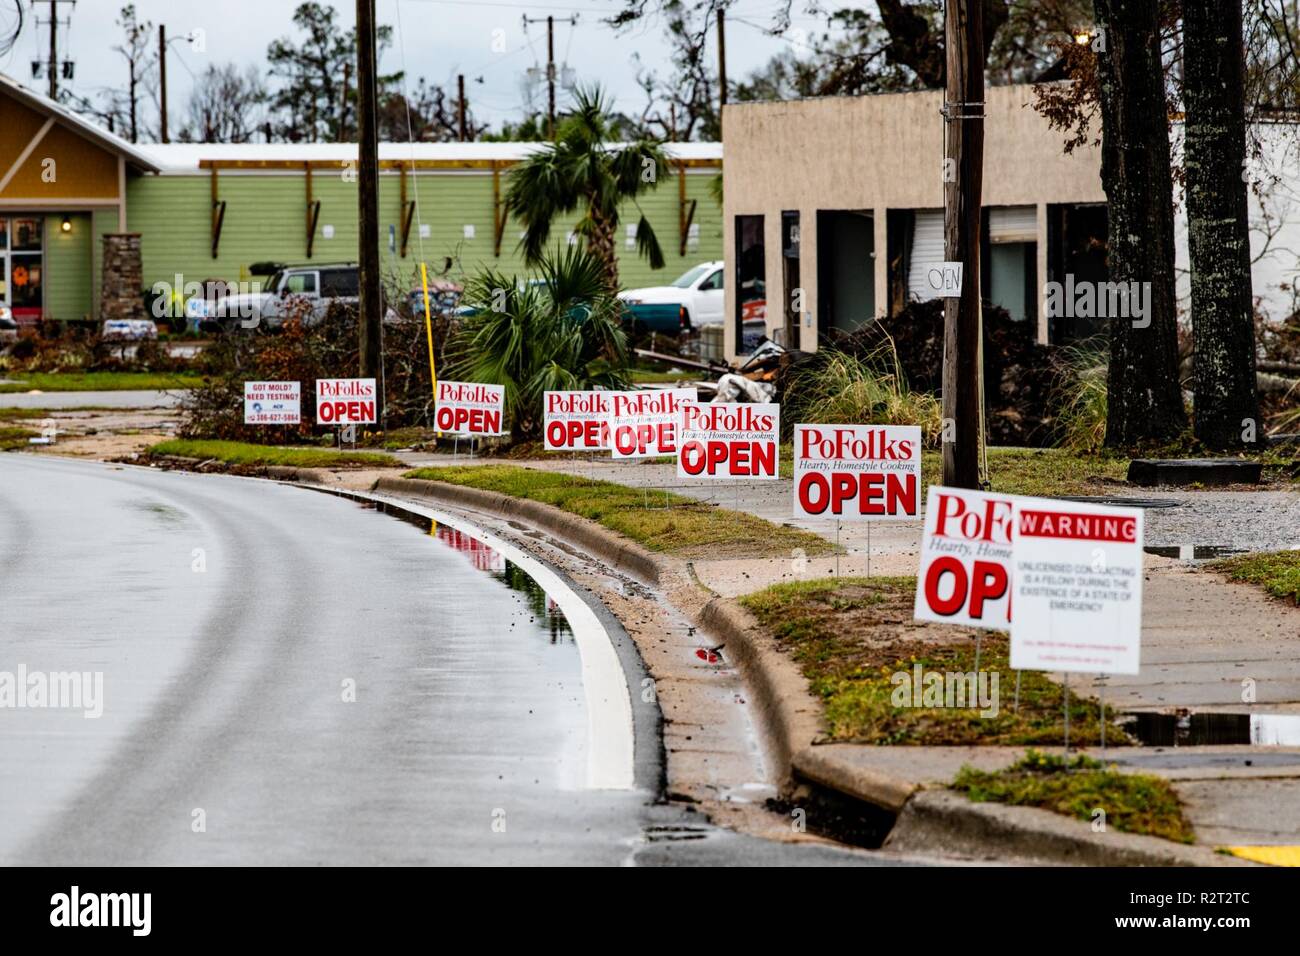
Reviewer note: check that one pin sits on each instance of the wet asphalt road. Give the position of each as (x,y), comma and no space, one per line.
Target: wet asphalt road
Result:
(229,619)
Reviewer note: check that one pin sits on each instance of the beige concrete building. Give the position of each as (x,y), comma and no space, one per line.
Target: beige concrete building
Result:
(833,209)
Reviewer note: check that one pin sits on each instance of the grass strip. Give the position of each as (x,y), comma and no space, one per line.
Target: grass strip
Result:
(245,453)
(1132,802)
(659,520)
(1277,572)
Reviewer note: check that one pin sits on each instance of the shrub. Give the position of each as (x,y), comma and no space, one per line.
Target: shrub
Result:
(836,388)
(561,333)
(1079,397)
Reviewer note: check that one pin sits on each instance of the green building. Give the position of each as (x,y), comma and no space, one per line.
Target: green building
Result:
(212,211)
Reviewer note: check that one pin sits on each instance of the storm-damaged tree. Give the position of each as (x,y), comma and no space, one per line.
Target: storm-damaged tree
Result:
(225,105)
(137,49)
(587,169)
(1143,394)
(1226,405)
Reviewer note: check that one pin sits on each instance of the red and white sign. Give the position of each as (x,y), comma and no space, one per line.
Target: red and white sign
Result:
(345,401)
(272,403)
(1077,587)
(728,440)
(643,424)
(469,408)
(576,421)
(966,559)
(857,472)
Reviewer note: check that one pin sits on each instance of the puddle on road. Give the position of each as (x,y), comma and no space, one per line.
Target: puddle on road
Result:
(1192,730)
(488,560)
(1194,552)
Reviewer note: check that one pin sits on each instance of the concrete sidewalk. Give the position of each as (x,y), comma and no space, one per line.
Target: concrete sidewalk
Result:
(1207,644)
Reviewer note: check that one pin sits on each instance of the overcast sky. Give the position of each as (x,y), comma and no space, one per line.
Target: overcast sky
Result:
(439,39)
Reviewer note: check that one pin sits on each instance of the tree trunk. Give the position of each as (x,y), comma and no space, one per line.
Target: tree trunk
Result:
(1144,399)
(601,244)
(1223,330)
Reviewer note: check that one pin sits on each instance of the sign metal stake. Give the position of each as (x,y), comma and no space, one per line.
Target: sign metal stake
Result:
(1102,694)
(1018,674)
(1067,719)
(837,547)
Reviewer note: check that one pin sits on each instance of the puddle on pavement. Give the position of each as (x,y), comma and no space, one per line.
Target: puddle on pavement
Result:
(1194,552)
(488,560)
(1193,730)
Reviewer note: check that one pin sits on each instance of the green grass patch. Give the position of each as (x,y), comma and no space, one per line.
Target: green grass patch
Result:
(25,414)
(1134,803)
(1277,572)
(853,637)
(97,381)
(14,438)
(244,453)
(659,520)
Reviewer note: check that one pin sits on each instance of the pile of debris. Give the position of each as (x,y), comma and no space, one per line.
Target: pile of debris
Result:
(1020,374)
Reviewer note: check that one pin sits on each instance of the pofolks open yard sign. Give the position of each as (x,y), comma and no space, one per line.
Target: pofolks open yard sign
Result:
(966,559)
(576,421)
(469,408)
(272,403)
(857,472)
(345,401)
(643,424)
(728,440)
(1077,587)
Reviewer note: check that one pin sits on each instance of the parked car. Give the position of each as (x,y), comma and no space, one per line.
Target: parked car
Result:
(129,330)
(696,295)
(8,327)
(319,285)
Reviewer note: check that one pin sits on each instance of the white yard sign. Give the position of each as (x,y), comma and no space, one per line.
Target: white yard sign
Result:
(345,401)
(643,424)
(1077,589)
(729,440)
(576,421)
(857,472)
(469,408)
(272,403)
(966,559)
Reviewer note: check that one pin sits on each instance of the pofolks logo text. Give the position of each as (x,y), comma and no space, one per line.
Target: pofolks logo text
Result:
(469,408)
(729,440)
(857,472)
(966,552)
(345,401)
(642,424)
(576,421)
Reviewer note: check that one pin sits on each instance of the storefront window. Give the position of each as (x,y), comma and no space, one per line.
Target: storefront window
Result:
(27,235)
(751,284)
(21,265)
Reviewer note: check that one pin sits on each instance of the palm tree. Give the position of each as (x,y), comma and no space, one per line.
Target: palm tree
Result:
(587,168)
(532,337)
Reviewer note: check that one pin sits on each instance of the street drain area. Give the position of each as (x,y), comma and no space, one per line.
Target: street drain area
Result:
(1209,729)
(1194,553)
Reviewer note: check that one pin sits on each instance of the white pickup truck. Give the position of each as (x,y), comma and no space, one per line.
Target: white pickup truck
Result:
(698,291)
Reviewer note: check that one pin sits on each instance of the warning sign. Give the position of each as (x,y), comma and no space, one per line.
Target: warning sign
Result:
(1077,587)
(966,559)
(857,472)
(576,421)
(643,424)
(469,408)
(272,403)
(728,440)
(345,401)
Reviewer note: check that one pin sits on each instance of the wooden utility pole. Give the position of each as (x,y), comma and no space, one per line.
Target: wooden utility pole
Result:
(54,49)
(722,61)
(370,307)
(162,83)
(963,181)
(550,66)
(460,105)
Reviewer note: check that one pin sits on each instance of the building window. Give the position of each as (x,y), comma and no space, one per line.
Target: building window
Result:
(751,284)
(792,314)
(21,266)
(1011,279)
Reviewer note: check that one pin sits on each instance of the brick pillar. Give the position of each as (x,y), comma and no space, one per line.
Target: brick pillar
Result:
(121,290)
